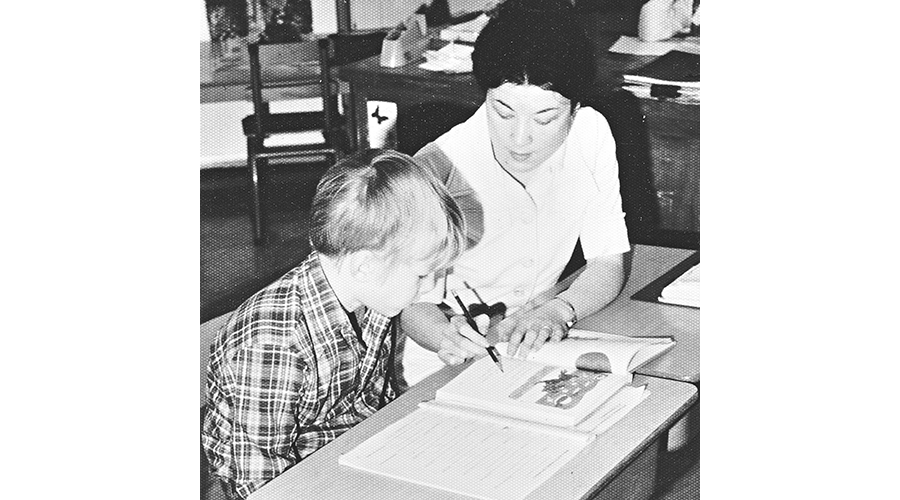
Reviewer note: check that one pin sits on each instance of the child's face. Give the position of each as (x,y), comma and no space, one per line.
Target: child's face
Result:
(397,284)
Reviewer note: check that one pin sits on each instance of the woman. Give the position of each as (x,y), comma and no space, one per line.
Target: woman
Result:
(534,173)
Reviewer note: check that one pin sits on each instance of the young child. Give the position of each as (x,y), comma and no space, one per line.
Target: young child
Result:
(310,356)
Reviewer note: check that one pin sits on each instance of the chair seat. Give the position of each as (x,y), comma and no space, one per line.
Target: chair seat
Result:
(285,123)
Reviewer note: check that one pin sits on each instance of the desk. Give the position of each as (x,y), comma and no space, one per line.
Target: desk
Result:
(620,463)
(626,316)
(636,318)
(669,135)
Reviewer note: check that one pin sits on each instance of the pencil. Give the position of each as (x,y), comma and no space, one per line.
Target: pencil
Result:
(471,321)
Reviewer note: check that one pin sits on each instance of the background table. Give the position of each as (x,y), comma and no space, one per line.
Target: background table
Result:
(626,316)
(658,142)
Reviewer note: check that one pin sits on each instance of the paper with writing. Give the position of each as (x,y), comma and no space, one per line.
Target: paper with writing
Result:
(493,458)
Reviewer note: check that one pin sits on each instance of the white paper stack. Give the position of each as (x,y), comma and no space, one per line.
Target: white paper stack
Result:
(685,290)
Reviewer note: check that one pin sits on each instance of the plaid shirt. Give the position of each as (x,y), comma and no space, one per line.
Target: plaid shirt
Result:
(287,375)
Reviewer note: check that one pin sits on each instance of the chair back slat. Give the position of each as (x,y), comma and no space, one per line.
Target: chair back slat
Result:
(267,60)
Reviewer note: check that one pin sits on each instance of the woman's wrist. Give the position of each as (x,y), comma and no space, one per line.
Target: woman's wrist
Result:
(569,311)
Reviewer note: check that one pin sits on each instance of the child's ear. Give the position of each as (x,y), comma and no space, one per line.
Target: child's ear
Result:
(361,265)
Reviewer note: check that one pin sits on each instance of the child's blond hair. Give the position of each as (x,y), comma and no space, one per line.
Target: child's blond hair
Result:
(382,201)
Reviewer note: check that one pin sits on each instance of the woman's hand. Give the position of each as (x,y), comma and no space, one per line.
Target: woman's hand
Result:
(530,327)
(460,342)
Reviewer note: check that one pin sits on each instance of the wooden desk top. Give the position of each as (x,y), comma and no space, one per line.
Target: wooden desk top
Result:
(379,82)
(320,475)
(626,316)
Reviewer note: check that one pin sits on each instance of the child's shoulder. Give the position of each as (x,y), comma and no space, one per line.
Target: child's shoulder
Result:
(269,317)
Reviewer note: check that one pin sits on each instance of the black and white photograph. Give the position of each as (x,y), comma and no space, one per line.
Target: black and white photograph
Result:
(437,237)
(448,249)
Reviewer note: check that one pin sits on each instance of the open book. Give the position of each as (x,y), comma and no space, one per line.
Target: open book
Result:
(524,418)
(685,290)
(598,351)
(560,384)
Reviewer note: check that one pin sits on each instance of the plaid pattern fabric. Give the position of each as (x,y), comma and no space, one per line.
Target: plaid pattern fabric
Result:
(287,375)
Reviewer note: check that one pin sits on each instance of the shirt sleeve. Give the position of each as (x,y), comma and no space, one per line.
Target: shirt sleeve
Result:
(433,158)
(604,231)
(263,382)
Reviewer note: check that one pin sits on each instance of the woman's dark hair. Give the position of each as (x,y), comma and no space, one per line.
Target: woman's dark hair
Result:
(538,42)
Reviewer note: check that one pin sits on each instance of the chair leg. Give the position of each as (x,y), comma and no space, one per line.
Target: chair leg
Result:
(256,216)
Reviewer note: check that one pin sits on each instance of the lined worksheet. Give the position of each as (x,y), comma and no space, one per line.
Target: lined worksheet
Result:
(468,452)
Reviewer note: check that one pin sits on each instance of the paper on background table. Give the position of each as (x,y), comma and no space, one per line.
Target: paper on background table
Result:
(494,458)
(687,95)
(636,46)
(685,290)
(465,32)
(451,58)
(676,67)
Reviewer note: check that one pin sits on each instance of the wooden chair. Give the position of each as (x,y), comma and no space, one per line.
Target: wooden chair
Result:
(335,120)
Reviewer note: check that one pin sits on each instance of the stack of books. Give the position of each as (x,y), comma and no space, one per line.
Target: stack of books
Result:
(673,76)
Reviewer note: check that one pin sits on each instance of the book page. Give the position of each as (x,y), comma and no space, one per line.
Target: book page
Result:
(463,453)
(622,352)
(531,390)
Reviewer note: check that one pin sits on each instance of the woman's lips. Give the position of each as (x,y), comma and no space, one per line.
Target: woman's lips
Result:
(520,157)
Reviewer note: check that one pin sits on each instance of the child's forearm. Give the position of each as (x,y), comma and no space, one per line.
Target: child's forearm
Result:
(424,322)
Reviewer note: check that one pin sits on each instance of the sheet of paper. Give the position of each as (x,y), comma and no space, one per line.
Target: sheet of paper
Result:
(451,58)
(635,46)
(465,32)
(685,290)
(487,458)
(687,95)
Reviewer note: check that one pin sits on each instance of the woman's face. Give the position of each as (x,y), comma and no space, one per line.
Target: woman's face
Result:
(527,124)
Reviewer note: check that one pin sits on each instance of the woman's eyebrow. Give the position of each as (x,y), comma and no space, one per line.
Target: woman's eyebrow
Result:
(499,101)
(554,108)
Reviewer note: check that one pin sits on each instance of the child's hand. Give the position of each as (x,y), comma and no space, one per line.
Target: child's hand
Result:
(460,342)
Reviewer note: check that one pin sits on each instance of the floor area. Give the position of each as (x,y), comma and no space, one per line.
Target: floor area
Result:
(231,267)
